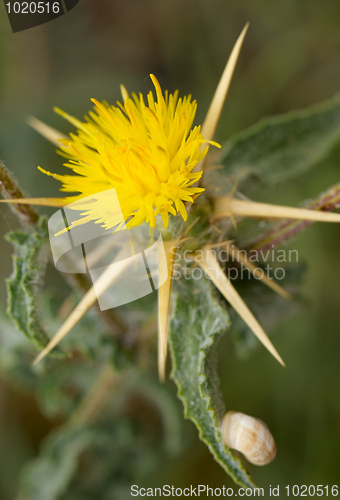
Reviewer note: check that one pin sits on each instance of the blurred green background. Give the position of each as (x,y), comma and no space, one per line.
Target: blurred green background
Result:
(290,60)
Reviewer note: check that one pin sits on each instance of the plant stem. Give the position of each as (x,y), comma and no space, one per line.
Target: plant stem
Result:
(9,189)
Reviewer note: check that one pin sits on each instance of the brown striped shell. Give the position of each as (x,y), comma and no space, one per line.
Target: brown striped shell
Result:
(249,436)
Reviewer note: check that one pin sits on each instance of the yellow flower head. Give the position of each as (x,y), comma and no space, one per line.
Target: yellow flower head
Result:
(146,152)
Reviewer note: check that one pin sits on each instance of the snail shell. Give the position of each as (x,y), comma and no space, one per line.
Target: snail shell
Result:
(250,436)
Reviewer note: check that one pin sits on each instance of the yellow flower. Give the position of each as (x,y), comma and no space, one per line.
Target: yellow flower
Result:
(146,152)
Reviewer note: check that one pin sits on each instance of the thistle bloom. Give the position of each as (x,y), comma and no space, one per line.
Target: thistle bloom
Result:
(147,152)
(153,160)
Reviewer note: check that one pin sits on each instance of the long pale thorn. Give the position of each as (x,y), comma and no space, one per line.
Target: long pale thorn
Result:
(212,268)
(106,279)
(44,202)
(229,207)
(215,109)
(50,133)
(257,272)
(165,268)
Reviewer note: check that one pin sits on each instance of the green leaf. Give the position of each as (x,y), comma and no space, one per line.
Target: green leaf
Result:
(97,461)
(197,323)
(279,148)
(47,477)
(25,284)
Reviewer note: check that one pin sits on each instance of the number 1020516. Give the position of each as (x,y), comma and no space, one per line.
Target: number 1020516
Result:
(33,7)
(311,491)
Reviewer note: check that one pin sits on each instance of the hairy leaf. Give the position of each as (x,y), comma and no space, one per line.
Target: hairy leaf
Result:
(25,283)
(197,322)
(47,477)
(279,148)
